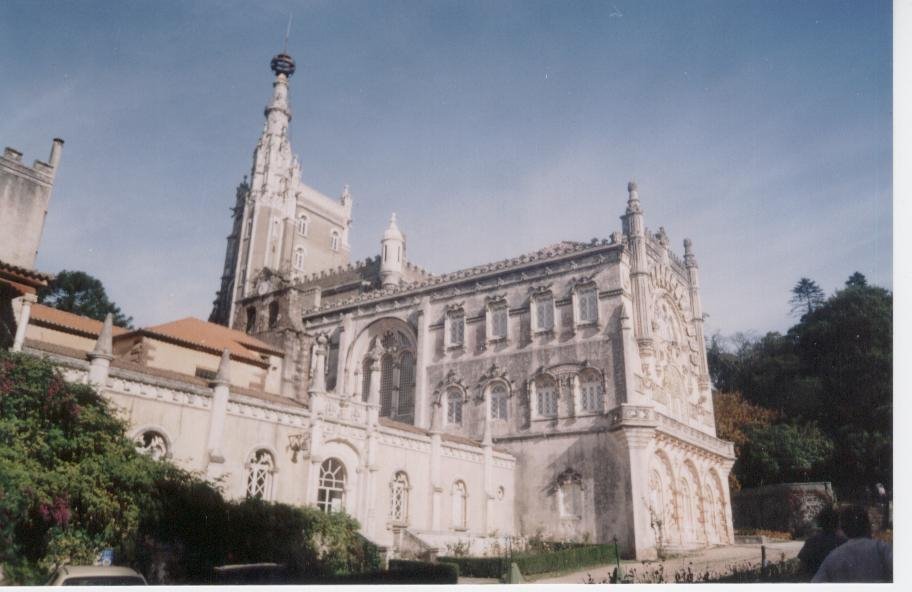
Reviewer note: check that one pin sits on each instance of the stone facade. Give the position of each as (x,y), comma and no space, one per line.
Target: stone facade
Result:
(585,361)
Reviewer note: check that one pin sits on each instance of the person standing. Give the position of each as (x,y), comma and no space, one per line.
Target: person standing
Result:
(861,558)
(817,547)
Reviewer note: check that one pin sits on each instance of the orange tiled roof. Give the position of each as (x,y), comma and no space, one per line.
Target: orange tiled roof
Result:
(23,280)
(211,336)
(70,322)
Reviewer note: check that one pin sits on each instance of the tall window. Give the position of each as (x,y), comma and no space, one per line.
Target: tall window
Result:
(251,319)
(586,305)
(300,257)
(591,392)
(546,395)
(301,225)
(543,308)
(260,467)
(334,240)
(499,401)
(386,384)
(331,490)
(152,443)
(497,323)
(365,379)
(454,406)
(406,384)
(456,328)
(460,503)
(273,314)
(399,491)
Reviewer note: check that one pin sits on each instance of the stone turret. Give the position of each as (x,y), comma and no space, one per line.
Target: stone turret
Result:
(392,255)
(100,357)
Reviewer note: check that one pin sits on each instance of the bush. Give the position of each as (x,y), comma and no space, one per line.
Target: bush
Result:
(401,572)
(478,567)
(565,559)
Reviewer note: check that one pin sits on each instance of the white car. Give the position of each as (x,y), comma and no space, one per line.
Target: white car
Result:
(96,575)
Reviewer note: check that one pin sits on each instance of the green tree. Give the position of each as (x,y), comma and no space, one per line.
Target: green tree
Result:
(735,418)
(71,483)
(857,280)
(783,452)
(82,294)
(806,296)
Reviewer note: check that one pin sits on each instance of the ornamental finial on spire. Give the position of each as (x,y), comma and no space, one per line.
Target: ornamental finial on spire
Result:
(282,64)
(633,198)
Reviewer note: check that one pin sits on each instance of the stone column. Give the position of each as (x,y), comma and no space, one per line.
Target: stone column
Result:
(630,357)
(634,429)
(487,449)
(343,388)
(423,358)
(220,388)
(100,357)
(24,314)
(436,522)
(639,275)
(373,396)
(690,261)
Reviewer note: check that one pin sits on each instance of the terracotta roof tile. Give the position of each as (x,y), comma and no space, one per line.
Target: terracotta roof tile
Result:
(213,337)
(70,322)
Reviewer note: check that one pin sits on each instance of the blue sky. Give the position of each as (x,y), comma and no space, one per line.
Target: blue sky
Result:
(761,130)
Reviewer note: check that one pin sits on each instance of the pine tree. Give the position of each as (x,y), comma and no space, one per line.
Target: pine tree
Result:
(806,296)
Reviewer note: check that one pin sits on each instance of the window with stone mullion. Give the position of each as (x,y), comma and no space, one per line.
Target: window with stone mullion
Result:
(406,384)
(587,304)
(457,329)
(499,402)
(544,313)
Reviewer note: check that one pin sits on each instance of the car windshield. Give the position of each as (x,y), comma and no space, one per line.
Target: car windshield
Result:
(104,581)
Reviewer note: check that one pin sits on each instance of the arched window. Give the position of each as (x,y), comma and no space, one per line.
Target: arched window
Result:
(460,505)
(386,385)
(260,467)
(499,401)
(406,384)
(570,494)
(454,405)
(300,258)
(302,224)
(399,492)
(591,392)
(152,443)
(331,490)
(334,240)
(546,396)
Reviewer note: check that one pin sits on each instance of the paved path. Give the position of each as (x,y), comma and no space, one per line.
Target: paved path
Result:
(717,559)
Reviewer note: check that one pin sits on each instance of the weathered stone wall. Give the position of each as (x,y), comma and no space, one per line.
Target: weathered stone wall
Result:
(24,196)
(786,507)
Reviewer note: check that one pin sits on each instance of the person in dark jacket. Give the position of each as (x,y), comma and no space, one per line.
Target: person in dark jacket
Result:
(817,547)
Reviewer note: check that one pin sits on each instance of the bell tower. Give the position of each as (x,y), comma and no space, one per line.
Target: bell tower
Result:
(282,229)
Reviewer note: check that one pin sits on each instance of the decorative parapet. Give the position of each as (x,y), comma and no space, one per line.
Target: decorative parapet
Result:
(695,437)
(626,415)
(552,253)
(345,409)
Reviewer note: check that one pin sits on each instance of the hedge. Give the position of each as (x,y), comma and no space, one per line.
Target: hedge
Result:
(401,572)
(478,567)
(572,558)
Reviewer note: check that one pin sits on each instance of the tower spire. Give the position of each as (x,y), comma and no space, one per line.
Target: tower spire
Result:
(287,33)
